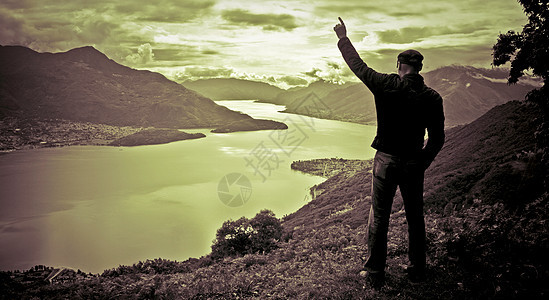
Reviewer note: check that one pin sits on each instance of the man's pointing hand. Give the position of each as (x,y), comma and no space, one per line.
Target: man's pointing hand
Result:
(340,29)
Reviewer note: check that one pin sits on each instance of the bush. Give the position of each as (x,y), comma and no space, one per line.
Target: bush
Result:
(245,236)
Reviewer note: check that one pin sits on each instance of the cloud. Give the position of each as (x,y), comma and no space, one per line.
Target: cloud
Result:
(291,80)
(268,38)
(143,56)
(93,28)
(314,73)
(384,60)
(183,55)
(393,8)
(210,52)
(270,22)
(15,4)
(331,71)
(14,30)
(334,65)
(59,32)
(59,26)
(404,35)
(165,10)
(408,35)
(199,72)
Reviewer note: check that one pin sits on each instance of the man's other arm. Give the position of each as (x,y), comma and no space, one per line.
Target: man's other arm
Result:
(435,131)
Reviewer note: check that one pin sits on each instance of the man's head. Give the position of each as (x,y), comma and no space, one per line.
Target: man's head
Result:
(411,58)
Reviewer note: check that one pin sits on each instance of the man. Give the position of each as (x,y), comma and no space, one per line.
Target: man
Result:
(405,108)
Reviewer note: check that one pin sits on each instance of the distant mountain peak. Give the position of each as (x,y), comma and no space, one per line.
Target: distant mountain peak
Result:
(85,49)
(87,54)
(84,85)
(10,53)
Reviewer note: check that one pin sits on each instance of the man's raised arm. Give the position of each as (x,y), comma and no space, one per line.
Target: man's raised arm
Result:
(370,77)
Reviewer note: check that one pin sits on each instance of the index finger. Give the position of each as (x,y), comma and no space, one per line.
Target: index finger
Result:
(341,21)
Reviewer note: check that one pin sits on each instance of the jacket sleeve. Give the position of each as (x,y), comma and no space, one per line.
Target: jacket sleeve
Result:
(435,131)
(369,76)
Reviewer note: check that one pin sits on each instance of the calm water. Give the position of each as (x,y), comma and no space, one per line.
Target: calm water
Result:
(94,208)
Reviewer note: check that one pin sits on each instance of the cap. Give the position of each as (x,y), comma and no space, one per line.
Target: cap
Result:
(411,57)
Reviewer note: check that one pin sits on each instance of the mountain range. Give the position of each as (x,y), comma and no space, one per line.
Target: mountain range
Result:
(85,85)
(468,92)
(233,89)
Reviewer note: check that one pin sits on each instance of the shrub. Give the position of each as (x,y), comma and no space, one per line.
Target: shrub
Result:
(245,236)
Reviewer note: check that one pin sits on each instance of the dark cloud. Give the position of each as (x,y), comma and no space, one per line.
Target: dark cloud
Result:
(14,31)
(210,52)
(181,54)
(95,30)
(198,72)
(267,21)
(404,35)
(292,80)
(51,25)
(314,73)
(15,4)
(415,34)
(152,11)
(345,8)
(384,60)
(394,8)
(165,10)
(47,31)
(188,54)
(334,65)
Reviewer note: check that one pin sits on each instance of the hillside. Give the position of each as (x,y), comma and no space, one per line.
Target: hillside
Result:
(492,160)
(318,88)
(468,93)
(351,103)
(233,89)
(490,241)
(155,136)
(240,89)
(84,85)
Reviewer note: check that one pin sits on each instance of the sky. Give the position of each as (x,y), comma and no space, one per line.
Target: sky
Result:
(284,43)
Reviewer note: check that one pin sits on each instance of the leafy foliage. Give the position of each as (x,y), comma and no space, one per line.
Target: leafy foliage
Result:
(244,236)
(154,266)
(528,49)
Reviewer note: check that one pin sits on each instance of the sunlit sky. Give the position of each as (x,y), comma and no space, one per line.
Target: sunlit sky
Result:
(281,42)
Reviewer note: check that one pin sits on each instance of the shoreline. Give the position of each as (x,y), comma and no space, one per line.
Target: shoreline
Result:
(34,133)
(31,133)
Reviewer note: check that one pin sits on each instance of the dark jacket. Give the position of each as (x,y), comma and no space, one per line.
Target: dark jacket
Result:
(405,108)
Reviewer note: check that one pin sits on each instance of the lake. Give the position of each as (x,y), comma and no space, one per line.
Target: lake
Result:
(97,207)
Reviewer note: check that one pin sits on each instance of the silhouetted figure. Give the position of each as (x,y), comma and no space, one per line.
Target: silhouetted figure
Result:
(405,108)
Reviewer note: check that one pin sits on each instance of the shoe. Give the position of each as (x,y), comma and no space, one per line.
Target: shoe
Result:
(415,274)
(375,280)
